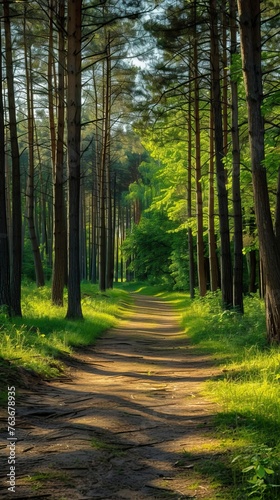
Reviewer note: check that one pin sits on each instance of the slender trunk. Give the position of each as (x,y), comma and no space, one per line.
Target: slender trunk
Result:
(5,295)
(189,201)
(252,258)
(16,243)
(60,231)
(117,239)
(122,235)
(213,261)
(40,280)
(104,171)
(199,202)
(236,193)
(96,169)
(94,227)
(226,266)
(83,246)
(225,80)
(51,85)
(73,142)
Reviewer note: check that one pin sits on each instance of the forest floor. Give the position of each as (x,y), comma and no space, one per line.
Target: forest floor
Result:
(128,422)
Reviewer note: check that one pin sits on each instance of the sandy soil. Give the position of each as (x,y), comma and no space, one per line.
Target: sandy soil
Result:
(126,422)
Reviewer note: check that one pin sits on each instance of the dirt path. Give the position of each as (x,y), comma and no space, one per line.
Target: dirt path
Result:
(121,426)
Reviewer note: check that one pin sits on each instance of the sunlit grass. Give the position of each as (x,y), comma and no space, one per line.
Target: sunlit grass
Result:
(247,392)
(247,424)
(43,336)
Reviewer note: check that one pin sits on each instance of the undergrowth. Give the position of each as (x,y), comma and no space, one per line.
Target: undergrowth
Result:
(42,337)
(247,392)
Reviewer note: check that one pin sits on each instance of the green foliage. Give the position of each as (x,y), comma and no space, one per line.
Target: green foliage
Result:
(150,243)
(261,471)
(247,391)
(180,262)
(28,269)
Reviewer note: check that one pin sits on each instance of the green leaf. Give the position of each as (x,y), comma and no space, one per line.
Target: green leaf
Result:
(249,468)
(268,471)
(260,471)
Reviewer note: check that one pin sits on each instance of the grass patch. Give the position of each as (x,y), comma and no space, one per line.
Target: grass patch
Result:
(40,340)
(248,392)
(40,479)
(115,450)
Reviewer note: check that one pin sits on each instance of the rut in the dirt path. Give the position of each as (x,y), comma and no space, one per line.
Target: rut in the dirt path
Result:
(120,427)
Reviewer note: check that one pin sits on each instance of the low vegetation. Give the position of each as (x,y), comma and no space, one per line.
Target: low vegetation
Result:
(248,391)
(247,427)
(39,341)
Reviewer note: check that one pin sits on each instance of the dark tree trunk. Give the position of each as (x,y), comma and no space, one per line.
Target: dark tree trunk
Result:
(16,243)
(189,200)
(252,256)
(250,32)
(5,296)
(213,261)
(73,143)
(105,170)
(198,188)
(39,272)
(226,265)
(60,232)
(93,273)
(236,194)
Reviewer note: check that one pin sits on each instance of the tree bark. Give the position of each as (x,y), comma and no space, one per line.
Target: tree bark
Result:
(213,261)
(104,171)
(73,143)
(5,295)
(60,230)
(40,280)
(198,188)
(236,194)
(189,197)
(226,265)
(16,243)
(250,32)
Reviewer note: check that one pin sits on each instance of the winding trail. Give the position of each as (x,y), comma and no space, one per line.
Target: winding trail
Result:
(120,427)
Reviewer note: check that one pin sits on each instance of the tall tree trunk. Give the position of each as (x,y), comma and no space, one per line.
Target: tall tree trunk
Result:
(83,234)
(96,169)
(104,169)
(60,231)
(73,142)
(94,216)
(224,20)
(5,295)
(16,244)
(57,148)
(236,194)
(226,266)
(213,261)
(189,200)
(117,242)
(250,32)
(40,280)
(198,188)
(51,83)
